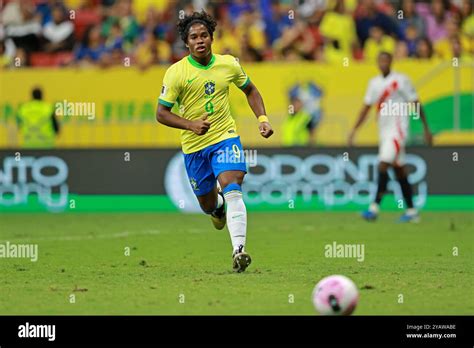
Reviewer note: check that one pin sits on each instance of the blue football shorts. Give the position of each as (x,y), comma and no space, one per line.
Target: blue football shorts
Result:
(204,166)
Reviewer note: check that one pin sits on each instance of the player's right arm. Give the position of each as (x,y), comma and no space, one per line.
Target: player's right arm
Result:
(169,95)
(360,120)
(364,112)
(166,117)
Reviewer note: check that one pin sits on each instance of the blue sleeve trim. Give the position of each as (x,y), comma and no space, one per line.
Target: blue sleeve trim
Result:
(165,103)
(245,84)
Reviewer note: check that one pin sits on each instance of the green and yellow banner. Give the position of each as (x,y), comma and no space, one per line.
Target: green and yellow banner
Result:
(116,107)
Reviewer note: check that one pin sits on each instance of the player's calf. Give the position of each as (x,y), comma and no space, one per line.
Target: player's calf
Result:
(213,204)
(218,216)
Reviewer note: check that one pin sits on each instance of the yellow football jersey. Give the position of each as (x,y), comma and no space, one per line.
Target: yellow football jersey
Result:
(201,90)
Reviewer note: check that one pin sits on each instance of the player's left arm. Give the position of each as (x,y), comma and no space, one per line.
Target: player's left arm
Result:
(255,101)
(410,94)
(426,128)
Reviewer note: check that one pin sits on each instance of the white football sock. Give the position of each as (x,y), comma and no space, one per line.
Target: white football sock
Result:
(411,211)
(236,218)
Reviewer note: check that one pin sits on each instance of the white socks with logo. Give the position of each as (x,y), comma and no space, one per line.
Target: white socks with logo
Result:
(236,218)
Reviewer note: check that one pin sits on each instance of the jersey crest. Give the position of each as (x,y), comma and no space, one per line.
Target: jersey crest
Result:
(209,87)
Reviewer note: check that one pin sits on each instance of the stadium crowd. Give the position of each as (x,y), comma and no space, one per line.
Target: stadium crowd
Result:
(142,32)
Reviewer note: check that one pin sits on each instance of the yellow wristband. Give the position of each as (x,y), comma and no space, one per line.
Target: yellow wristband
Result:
(262,118)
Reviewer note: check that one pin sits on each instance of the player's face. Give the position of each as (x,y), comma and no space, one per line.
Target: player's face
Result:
(384,62)
(199,41)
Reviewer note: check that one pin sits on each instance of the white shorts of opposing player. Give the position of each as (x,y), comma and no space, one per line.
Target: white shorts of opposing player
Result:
(392,150)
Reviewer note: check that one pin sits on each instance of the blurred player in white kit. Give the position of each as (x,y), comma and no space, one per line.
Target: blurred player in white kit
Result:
(396,100)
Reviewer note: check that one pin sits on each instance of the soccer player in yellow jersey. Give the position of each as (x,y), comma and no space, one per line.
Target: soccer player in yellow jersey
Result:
(199,84)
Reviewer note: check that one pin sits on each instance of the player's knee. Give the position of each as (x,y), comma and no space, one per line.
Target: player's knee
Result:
(237,179)
(207,204)
(383,167)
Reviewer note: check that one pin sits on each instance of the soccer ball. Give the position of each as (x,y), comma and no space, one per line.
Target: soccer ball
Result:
(335,295)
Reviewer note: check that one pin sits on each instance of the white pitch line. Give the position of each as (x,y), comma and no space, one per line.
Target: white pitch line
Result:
(86,237)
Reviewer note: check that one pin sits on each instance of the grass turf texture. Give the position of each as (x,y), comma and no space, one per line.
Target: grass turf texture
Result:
(172,254)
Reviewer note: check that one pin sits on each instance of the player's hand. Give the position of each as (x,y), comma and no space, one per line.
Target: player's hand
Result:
(350,139)
(265,129)
(428,138)
(200,127)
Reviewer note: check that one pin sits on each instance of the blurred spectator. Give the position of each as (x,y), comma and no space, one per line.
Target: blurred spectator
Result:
(444,48)
(121,13)
(458,50)
(86,15)
(59,32)
(23,26)
(11,13)
(467,19)
(401,50)
(436,20)
(141,8)
(250,30)
(311,8)
(290,54)
(115,39)
(92,49)
(152,51)
(225,39)
(378,42)
(303,38)
(8,52)
(236,8)
(5,59)
(21,59)
(454,44)
(386,7)
(114,45)
(156,22)
(367,16)
(276,21)
(43,9)
(424,49)
(253,30)
(410,19)
(411,40)
(338,29)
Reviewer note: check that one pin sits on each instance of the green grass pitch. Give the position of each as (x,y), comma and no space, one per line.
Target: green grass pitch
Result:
(430,264)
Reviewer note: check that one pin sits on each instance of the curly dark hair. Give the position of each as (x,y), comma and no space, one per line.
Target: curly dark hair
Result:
(197,17)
